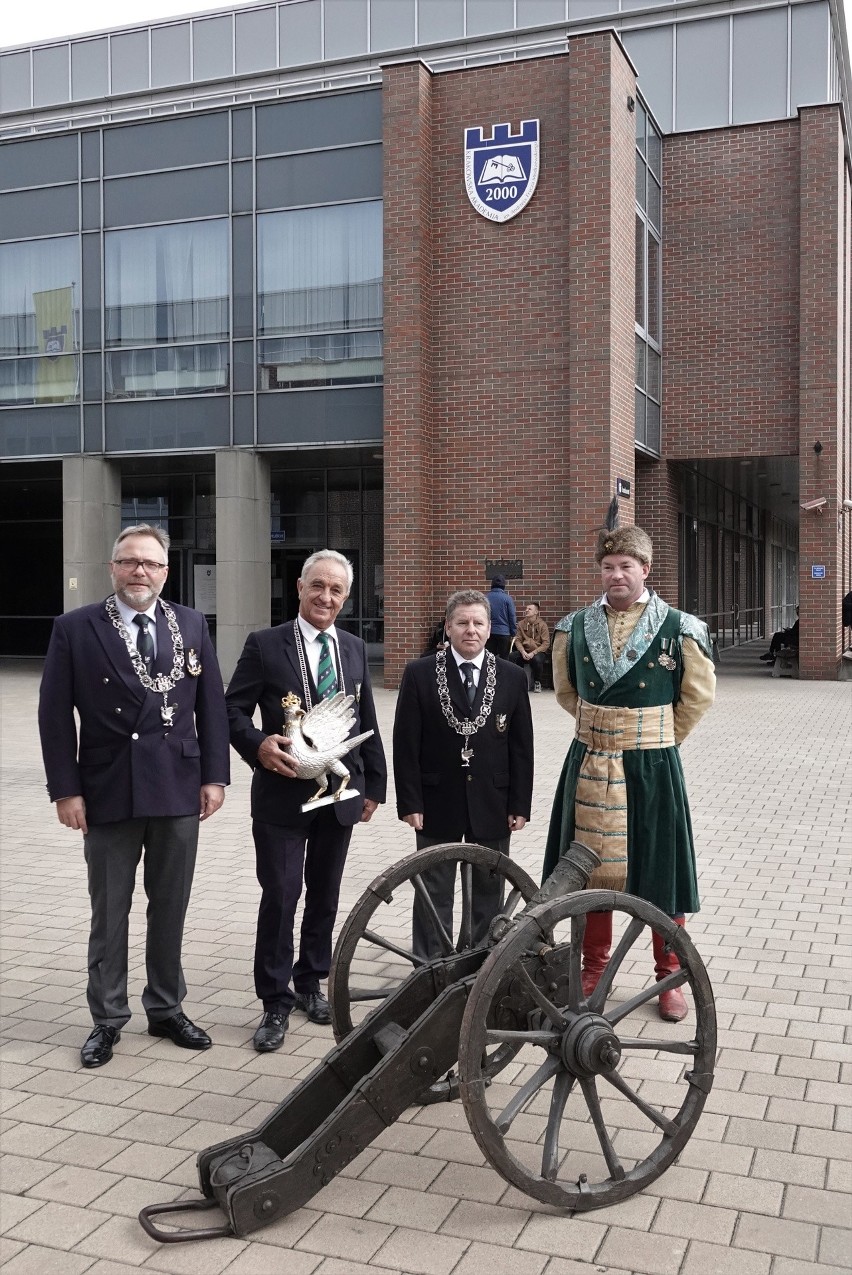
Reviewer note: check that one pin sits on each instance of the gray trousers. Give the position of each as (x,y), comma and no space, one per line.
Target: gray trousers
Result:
(441,884)
(112,852)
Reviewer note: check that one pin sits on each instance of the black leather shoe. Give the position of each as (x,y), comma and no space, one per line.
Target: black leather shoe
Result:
(98,1048)
(315,1006)
(270,1033)
(179,1029)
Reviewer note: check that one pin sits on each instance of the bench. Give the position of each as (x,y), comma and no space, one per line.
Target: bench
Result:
(786,662)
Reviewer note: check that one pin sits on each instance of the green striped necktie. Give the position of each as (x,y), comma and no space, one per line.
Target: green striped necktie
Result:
(326,676)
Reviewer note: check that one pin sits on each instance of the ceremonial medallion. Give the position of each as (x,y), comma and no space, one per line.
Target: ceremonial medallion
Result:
(167,713)
(193,663)
(465,726)
(466,754)
(665,659)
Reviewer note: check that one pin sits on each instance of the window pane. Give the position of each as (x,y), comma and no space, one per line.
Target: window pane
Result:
(45,380)
(651,52)
(39,302)
(641,180)
(640,272)
(652,426)
(320,269)
(655,152)
(653,288)
(161,370)
(654,202)
(166,283)
(330,358)
(640,362)
(760,66)
(640,416)
(702,74)
(654,374)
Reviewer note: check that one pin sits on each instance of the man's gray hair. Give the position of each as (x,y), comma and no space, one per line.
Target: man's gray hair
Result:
(144,529)
(467,598)
(322,555)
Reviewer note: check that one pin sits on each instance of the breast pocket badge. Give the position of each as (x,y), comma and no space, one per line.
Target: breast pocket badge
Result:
(501,721)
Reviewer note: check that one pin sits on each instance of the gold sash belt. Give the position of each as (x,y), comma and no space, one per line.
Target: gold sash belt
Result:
(600,805)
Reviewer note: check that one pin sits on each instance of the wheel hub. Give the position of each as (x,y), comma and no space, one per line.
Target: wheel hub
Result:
(589,1046)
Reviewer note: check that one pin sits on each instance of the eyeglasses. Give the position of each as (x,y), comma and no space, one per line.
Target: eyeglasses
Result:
(147,564)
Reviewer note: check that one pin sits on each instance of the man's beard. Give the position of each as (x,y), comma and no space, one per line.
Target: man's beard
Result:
(135,598)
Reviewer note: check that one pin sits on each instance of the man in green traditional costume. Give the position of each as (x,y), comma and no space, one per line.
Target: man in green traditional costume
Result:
(637,675)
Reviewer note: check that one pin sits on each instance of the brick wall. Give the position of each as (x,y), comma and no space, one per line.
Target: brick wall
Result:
(508,362)
(824,418)
(731,292)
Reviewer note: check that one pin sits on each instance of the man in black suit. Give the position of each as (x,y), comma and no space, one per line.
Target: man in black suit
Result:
(463,759)
(153,761)
(310,657)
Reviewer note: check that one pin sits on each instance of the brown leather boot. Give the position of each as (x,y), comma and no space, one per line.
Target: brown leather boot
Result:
(596,944)
(672,1004)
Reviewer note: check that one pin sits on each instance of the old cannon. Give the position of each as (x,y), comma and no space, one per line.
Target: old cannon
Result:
(562,1101)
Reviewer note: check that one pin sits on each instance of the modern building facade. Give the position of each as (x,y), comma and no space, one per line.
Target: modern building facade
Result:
(246,291)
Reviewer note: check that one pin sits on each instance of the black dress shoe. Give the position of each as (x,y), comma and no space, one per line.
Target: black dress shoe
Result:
(270,1033)
(179,1029)
(315,1006)
(98,1048)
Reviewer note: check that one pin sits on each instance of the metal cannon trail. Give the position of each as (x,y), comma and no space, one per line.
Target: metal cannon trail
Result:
(543,1073)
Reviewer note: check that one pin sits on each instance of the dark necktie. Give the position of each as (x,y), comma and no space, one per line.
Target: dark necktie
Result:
(326,676)
(144,641)
(469,684)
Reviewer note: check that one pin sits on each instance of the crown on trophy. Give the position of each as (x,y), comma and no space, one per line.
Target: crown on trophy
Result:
(290,701)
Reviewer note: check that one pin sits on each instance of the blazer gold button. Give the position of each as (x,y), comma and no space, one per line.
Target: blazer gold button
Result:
(106,679)
(641,686)
(650,664)
(585,659)
(118,710)
(591,683)
(134,735)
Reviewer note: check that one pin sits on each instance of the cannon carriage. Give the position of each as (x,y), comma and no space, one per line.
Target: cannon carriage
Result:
(578,1102)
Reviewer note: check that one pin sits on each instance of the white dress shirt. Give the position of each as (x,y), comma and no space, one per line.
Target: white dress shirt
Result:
(128,615)
(313,648)
(476,661)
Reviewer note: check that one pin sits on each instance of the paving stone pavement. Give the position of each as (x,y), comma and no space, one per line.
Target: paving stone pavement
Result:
(762,1188)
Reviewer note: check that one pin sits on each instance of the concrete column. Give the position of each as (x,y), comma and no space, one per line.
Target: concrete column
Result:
(91,520)
(243,552)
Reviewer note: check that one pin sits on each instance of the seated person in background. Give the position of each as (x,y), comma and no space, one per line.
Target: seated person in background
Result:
(437,640)
(784,637)
(532,640)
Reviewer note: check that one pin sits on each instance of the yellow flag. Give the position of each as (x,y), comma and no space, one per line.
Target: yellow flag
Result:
(56,373)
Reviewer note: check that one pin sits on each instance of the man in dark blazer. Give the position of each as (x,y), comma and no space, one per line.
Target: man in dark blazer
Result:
(462,759)
(152,762)
(313,659)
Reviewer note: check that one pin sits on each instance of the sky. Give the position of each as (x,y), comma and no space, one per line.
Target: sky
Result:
(27,23)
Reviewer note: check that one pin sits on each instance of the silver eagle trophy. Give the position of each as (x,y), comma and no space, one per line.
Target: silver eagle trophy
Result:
(319,738)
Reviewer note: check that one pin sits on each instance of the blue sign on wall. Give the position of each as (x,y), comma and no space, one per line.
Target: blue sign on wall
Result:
(817,573)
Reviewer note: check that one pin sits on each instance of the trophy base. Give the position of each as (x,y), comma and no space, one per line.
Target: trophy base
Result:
(330,800)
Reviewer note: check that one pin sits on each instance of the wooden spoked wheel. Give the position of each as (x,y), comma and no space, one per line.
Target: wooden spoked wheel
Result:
(373,955)
(604,1096)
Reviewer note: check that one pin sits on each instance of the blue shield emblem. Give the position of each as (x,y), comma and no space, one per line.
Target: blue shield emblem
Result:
(501,174)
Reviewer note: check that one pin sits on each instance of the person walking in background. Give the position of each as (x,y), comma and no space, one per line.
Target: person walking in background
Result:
(463,760)
(312,659)
(153,761)
(504,620)
(531,642)
(637,675)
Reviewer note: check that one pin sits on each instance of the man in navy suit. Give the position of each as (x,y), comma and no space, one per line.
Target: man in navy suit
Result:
(463,760)
(152,761)
(311,658)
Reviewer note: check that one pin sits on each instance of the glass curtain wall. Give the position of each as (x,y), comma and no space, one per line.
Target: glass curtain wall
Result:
(39,321)
(338,507)
(167,310)
(320,297)
(649,176)
(721,560)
